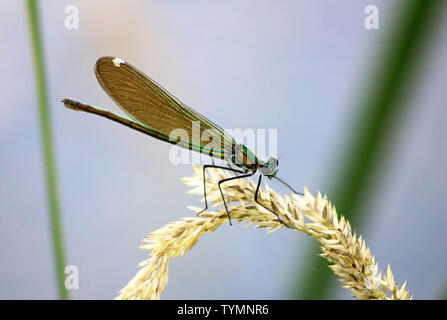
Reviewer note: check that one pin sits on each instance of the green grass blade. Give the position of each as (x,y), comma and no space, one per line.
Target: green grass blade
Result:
(381,109)
(45,130)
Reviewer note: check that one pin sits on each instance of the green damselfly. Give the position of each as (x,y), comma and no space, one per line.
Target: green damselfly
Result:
(156,112)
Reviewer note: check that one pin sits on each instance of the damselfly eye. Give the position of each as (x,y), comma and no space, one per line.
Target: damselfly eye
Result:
(273,162)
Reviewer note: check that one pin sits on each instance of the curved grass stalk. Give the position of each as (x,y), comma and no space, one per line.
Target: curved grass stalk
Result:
(348,254)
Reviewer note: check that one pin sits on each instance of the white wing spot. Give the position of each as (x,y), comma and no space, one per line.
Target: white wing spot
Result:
(118,62)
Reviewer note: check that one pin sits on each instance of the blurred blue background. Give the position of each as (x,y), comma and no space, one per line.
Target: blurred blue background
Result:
(295,66)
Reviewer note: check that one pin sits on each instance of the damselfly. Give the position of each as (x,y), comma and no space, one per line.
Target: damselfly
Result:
(156,112)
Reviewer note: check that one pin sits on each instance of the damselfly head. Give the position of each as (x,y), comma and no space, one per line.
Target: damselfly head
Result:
(270,168)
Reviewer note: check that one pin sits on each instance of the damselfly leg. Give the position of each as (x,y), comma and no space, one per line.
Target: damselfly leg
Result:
(267,208)
(219,182)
